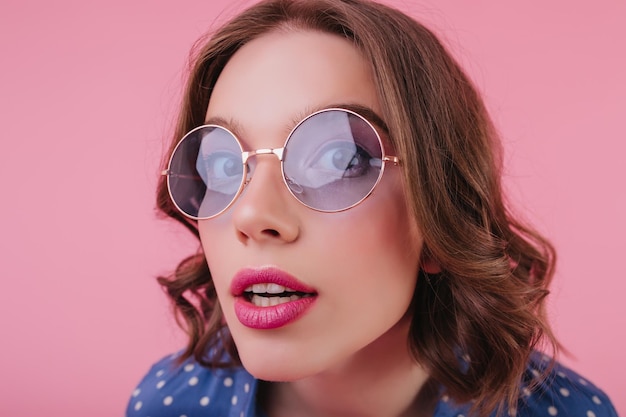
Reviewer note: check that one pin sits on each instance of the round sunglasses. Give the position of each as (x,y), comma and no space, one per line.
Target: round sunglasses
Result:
(332,160)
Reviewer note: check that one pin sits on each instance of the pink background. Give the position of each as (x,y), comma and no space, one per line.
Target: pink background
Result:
(86,97)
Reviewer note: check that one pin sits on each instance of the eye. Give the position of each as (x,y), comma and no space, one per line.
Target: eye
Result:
(219,167)
(344,157)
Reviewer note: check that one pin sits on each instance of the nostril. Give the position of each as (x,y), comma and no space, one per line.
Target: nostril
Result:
(271,232)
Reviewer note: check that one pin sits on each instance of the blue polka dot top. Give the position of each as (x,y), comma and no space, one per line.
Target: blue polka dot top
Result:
(191,390)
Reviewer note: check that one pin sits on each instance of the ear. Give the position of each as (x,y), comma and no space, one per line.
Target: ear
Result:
(428,264)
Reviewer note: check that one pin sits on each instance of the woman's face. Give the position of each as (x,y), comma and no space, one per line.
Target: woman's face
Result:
(355,270)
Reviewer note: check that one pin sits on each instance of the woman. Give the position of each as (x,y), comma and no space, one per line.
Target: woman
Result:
(358,259)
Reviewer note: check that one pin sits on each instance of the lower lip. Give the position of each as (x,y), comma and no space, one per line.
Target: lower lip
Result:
(272,317)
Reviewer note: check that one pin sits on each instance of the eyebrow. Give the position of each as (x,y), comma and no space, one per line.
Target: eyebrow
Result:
(364,111)
(230,124)
(368,113)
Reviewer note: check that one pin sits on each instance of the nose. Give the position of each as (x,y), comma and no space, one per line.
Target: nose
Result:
(265,212)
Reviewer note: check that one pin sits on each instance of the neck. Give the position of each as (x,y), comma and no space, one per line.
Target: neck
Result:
(381,380)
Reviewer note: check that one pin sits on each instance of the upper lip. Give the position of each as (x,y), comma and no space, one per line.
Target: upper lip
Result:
(247,277)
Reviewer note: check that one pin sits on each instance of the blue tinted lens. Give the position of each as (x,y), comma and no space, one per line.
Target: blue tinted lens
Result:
(333,160)
(206,172)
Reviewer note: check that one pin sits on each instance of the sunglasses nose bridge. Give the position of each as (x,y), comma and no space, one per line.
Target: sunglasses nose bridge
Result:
(245,156)
(279,152)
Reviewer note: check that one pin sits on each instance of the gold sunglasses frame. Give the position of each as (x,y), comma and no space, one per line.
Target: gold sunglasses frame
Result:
(279,153)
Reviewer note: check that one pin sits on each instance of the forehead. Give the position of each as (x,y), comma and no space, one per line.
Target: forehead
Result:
(275,80)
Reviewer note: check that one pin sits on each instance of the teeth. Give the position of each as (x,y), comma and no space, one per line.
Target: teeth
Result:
(259,288)
(275,289)
(268,289)
(259,301)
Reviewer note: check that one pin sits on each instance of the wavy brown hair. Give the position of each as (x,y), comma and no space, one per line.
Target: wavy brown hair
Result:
(487,303)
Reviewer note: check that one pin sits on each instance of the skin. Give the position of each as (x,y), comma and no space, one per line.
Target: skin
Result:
(348,354)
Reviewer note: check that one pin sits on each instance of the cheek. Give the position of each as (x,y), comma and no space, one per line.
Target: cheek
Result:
(219,252)
(375,247)
(385,226)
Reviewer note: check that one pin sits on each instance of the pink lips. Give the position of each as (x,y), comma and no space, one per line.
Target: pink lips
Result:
(271,317)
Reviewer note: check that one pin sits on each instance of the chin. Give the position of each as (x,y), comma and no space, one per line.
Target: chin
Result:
(274,371)
(268,358)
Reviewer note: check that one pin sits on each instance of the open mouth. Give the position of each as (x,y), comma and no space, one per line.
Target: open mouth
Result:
(271,294)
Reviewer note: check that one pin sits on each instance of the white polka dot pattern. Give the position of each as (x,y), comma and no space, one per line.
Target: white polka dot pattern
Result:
(191,390)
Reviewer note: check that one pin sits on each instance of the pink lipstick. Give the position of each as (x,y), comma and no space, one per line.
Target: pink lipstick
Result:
(268,298)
